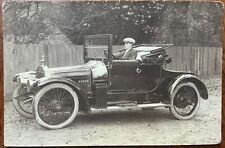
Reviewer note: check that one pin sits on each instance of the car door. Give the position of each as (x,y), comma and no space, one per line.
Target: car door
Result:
(123,75)
(133,76)
(148,76)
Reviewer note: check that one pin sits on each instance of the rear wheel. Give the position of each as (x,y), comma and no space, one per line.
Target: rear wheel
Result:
(22,101)
(185,101)
(56,106)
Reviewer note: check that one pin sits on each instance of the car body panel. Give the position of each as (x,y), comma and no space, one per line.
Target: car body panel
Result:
(130,75)
(170,79)
(123,75)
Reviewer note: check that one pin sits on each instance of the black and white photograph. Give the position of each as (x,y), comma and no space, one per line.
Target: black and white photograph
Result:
(112,73)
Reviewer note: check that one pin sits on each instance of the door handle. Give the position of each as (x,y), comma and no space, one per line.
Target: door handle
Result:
(138,70)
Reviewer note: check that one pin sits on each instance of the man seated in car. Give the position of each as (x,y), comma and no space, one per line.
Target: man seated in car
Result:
(127,53)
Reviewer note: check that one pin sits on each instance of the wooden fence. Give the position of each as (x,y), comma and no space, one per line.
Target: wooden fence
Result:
(203,61)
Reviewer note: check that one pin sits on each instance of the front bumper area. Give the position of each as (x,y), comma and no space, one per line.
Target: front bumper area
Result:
(27,79)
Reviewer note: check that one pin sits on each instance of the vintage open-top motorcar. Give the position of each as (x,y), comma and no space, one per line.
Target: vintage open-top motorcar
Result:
(55,95)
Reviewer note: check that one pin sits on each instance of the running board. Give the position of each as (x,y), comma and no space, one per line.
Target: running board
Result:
(152,105)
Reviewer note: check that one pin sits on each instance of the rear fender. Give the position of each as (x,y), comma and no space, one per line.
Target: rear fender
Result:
(190,78)
(84,104)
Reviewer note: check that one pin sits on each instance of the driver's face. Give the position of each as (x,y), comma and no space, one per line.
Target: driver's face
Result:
(128,45)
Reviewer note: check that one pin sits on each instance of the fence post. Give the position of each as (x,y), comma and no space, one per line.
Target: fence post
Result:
(46,53)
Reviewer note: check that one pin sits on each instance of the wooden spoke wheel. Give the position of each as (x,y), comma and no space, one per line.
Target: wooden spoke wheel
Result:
(56,105)
(185,101)
(23,101)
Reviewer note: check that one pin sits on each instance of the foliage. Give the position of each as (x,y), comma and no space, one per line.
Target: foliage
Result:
(24,22)
(180,23)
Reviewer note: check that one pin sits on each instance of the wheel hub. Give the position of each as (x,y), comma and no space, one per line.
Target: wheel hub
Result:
(58,107)
(182,101)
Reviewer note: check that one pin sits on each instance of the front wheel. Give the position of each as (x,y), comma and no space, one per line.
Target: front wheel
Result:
(22,101)
(55,106)
(185,101)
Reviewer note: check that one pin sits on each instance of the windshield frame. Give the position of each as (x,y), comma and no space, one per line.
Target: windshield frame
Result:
(109,39)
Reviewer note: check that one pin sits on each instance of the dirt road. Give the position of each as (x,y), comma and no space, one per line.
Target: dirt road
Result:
(133,127)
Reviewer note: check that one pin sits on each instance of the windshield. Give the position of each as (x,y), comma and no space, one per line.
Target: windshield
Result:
(97,47)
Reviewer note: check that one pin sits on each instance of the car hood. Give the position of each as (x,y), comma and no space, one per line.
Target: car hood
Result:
(96,68)
(67,71)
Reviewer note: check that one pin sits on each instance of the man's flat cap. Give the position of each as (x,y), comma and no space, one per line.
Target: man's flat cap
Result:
(129,40)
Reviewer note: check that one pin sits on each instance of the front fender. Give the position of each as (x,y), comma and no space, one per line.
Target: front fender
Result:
(82,96)
(190,78)
(46,80)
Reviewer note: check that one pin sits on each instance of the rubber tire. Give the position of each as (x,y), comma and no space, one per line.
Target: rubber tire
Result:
(173,111)
(17,106)
(43,91)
